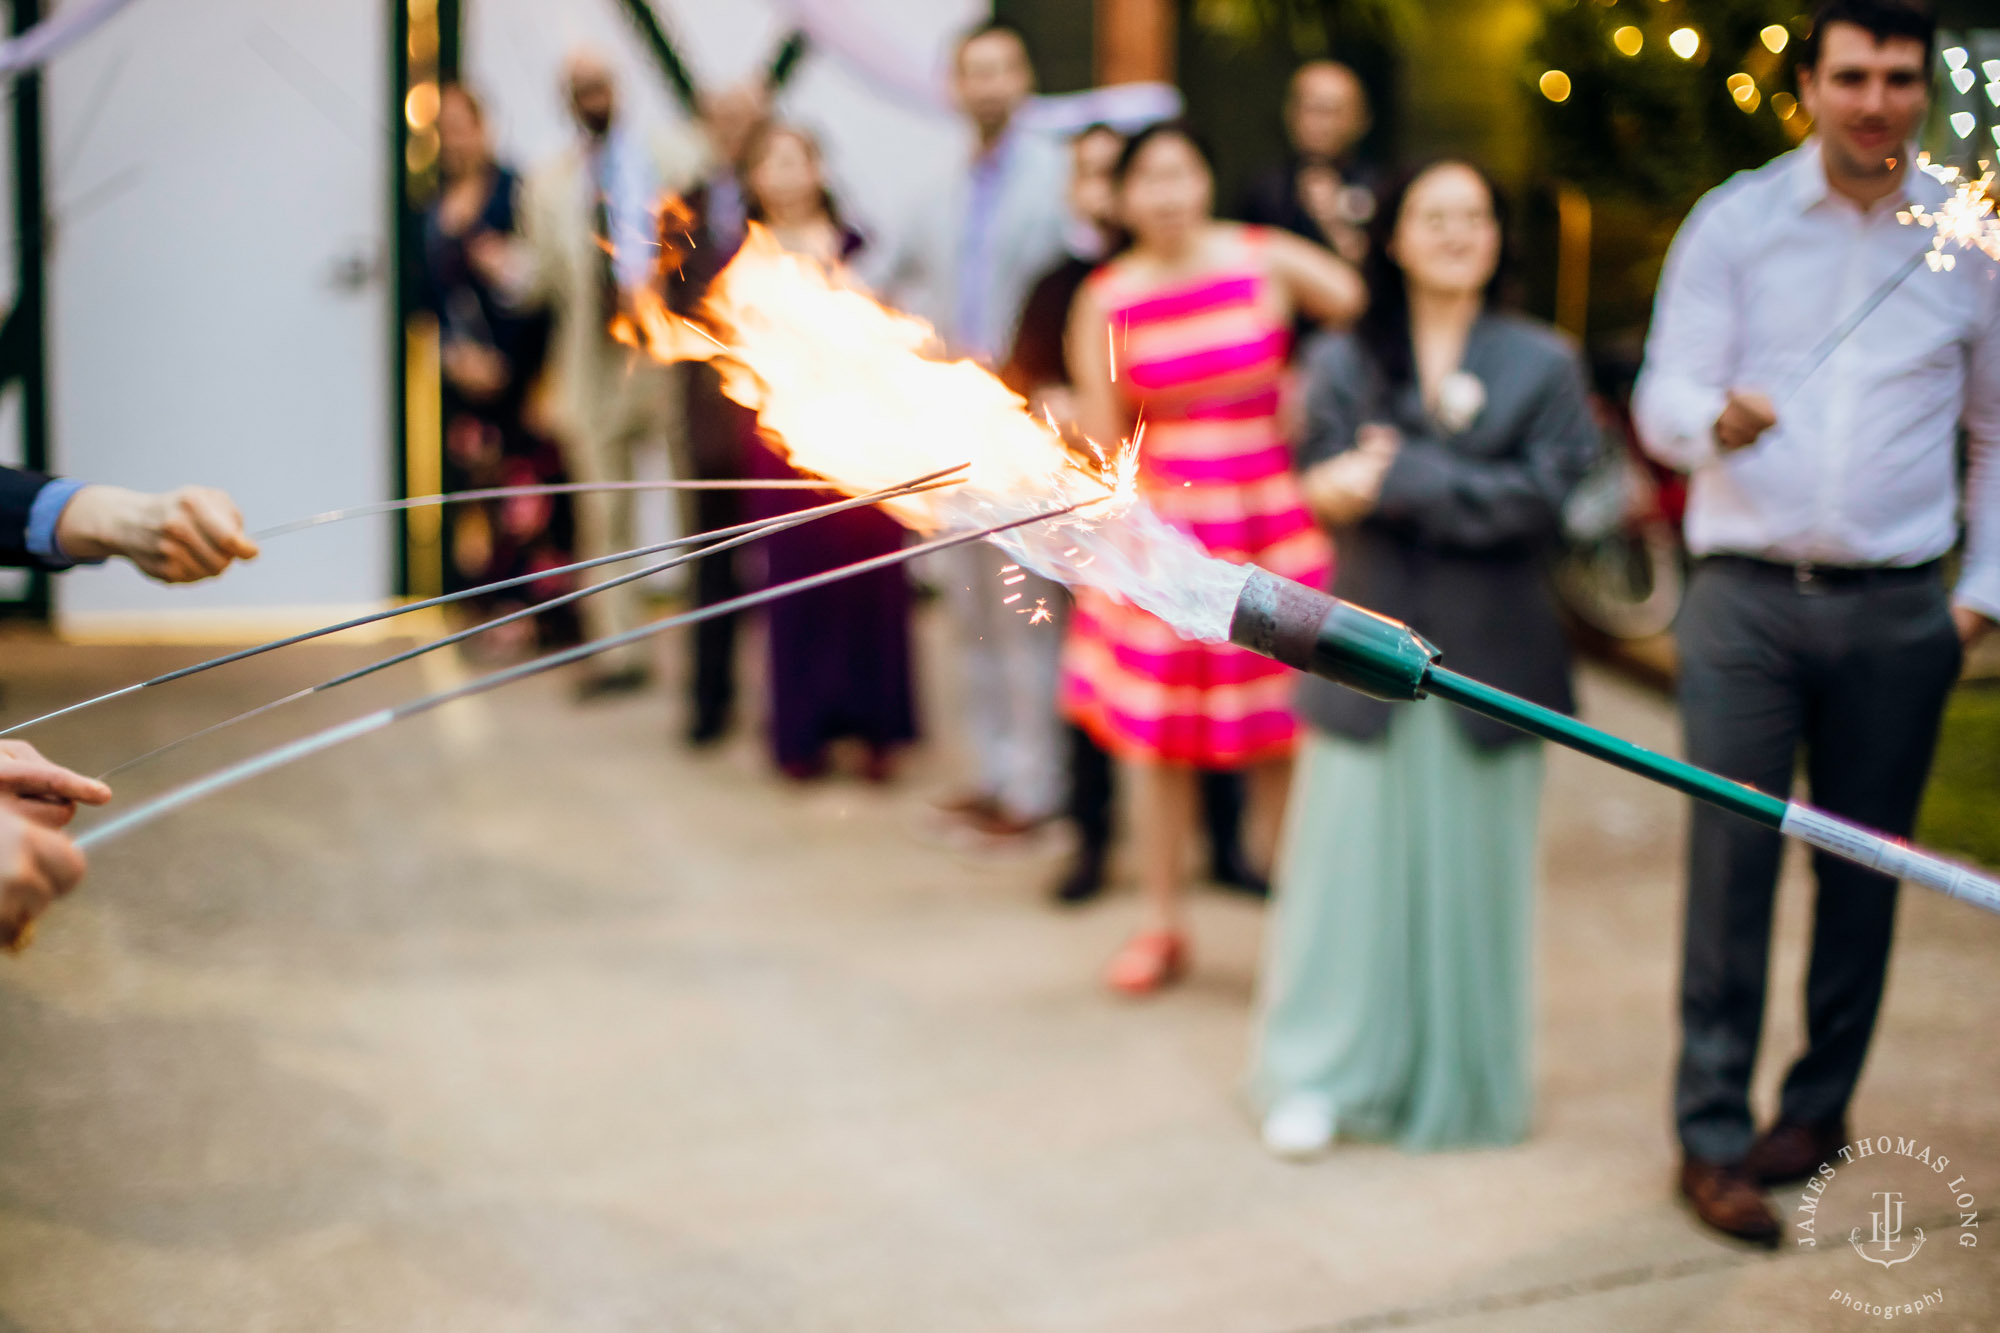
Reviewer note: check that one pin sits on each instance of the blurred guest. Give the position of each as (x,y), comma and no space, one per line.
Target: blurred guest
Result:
(1442,439)
(491,355)
(966,265)
(1321,190)
(839,656)
(588,221)
(716,426)
(1817,618)
(177,536)
(1198,314)
(1037,370)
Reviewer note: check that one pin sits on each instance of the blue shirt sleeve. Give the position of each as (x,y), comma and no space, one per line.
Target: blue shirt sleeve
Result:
(43,515)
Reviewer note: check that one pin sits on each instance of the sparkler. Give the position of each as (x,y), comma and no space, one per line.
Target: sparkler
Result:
(1352,646)
(511,492)
(278,757)
(1966,220)
(501,585)
(538,608)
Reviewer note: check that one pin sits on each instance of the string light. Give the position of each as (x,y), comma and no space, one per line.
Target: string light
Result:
(1684,42)
(1774,38)
(1554,85)
(1784,105)
(1628,40)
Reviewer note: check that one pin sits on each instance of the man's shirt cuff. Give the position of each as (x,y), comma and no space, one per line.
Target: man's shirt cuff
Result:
(44,514)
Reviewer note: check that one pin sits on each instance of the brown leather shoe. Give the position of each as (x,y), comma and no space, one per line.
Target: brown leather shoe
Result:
(1790,1151)
(1727,1199)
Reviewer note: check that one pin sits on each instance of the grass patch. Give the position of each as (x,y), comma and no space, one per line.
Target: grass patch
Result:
(1961,813)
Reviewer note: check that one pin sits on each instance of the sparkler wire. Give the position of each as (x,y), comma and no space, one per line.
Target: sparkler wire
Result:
(445,599)
(537,608)
(1841,331)
(265,762)
(511,492)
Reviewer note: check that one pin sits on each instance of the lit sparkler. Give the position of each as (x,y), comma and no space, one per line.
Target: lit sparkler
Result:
(1965,220)
(534,609)
(277,757)
(463,594)
(517,492)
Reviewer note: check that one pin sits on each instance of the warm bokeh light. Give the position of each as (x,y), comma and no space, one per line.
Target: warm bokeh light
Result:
(1554,85)
(420,153)
(1628,40)
(1684,42)
(1740,85)
(1775,37)
(420,108)
(1784,105)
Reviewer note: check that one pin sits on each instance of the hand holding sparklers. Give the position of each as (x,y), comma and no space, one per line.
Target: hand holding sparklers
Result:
(38,863)
(177,536)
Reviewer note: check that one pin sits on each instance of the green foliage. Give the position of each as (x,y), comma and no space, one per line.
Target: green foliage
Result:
(1654,126)
(1307,27)
(1959,816)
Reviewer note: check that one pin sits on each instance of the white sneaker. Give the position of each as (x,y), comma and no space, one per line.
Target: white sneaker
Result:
(1299,1126)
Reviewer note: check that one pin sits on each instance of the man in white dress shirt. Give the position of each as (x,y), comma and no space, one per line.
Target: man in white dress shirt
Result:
(1823,499)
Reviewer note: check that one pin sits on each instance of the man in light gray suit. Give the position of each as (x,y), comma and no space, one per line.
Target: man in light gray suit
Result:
(966,264)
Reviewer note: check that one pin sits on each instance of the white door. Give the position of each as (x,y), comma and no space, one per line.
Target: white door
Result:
(219,296)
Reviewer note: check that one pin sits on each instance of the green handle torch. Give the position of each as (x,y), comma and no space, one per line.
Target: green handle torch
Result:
(1386,659)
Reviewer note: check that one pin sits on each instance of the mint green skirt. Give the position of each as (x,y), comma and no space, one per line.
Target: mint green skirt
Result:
(1397,969)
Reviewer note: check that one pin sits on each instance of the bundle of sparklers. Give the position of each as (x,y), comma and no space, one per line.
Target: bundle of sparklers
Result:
(855,394)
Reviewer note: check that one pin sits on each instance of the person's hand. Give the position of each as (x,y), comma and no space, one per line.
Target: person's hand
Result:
(474,369)
(1320,192)
(1972,625)
(1746,416)
(41,791)
(178,536)
(37,866)
(1344,489)
(495,259)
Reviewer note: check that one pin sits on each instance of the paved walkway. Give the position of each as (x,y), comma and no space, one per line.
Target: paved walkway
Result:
(518,1019)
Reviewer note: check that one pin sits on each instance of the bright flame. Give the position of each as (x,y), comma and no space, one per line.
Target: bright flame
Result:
(856,393)
(1965,219)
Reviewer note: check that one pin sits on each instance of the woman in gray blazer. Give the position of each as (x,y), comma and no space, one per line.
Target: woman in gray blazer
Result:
(1442,439)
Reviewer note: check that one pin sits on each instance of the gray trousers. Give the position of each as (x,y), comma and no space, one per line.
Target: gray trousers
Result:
(1856,675)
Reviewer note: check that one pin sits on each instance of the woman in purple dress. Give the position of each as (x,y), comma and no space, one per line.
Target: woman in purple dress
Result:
(839,655)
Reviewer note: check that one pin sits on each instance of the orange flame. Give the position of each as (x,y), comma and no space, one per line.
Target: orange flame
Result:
(855,392)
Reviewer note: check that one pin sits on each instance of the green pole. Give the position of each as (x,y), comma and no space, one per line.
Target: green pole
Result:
(1386,659)
(1735,797)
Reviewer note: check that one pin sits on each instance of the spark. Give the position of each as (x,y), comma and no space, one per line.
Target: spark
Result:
(1966,218)
(1041,615)
(1013,579)
(1010,599)
(1111,350)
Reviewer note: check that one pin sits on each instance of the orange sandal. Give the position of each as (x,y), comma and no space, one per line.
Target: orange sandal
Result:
(1150,961)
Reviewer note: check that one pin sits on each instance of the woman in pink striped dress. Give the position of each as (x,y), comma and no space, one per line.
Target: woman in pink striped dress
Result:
(1188,331)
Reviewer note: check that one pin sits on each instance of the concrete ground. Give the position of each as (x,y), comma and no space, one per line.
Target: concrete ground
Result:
(518,1018)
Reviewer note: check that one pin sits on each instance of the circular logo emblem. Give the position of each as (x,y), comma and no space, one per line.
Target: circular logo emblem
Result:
(1885,1201)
